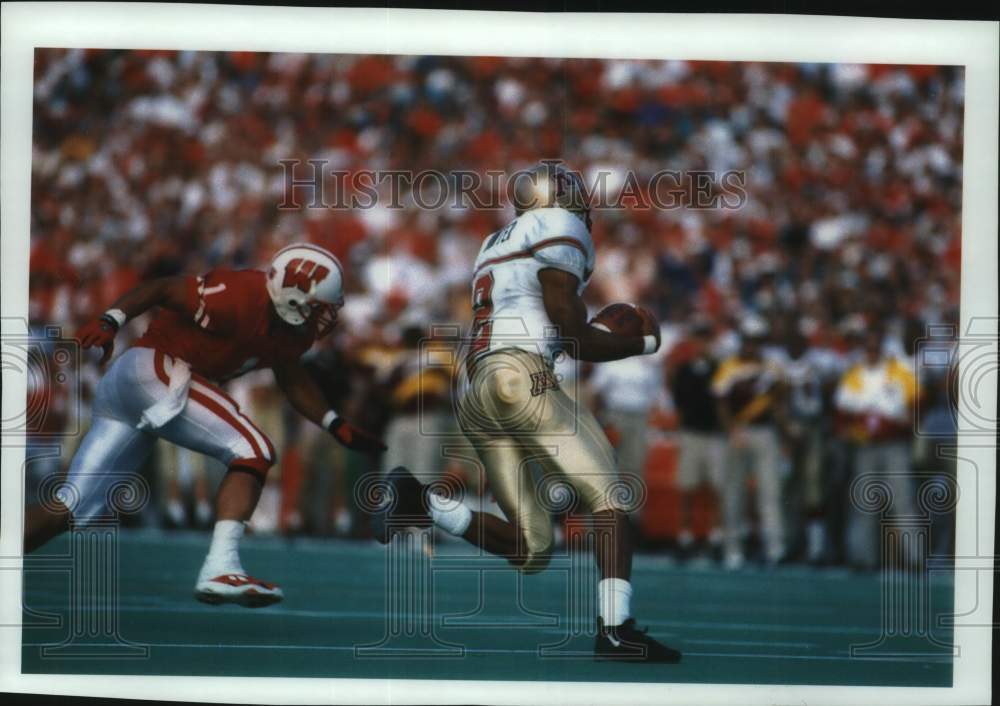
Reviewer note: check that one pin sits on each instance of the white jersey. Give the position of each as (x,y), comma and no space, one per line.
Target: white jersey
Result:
(508,311)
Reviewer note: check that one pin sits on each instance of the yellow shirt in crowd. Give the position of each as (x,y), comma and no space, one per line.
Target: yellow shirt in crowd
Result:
(878,397)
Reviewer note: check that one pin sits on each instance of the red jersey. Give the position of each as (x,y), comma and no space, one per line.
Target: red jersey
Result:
(228,327)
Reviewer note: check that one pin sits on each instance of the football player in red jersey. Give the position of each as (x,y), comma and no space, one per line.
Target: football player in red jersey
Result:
(207,330)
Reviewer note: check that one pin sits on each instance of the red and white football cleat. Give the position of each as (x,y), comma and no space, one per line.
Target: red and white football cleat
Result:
(238,588)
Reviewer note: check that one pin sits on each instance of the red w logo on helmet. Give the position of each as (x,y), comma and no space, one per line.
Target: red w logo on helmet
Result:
(302,274)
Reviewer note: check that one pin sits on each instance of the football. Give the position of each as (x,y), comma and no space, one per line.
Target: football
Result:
(623,319)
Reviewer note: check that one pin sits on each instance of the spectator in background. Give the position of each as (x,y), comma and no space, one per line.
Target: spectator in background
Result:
(419,390)
(838,347)
(875,399)
(936,452)
(751,408)
(804,488)
(625,392)
(691,368)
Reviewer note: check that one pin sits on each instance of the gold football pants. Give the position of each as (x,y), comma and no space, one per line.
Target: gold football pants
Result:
(515,413)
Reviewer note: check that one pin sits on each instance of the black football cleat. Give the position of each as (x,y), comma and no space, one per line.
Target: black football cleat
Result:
(406,506)
(626,643)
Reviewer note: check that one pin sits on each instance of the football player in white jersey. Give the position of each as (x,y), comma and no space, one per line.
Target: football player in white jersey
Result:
(527,307)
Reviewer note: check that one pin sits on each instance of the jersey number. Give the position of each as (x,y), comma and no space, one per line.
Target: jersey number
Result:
(302,274)
(482,310)
(501,236)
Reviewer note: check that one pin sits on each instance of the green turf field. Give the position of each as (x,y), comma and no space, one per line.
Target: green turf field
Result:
(783,626)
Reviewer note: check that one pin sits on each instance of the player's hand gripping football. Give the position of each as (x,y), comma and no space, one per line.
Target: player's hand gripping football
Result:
(630,321)
(354,438)
(101,333)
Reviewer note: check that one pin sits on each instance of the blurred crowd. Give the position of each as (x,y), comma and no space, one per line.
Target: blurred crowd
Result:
(793,325)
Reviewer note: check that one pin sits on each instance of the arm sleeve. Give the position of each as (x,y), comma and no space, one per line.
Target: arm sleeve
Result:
(722,379)
(908,382)
(563,257)
(191,295)
(847,398)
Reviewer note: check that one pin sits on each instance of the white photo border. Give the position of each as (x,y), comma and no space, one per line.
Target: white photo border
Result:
(974,45)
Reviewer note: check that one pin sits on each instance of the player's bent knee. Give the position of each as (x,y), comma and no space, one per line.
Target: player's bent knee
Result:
(256,467)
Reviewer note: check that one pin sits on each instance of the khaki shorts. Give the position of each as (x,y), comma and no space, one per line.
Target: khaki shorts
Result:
(702,459)
(514,413)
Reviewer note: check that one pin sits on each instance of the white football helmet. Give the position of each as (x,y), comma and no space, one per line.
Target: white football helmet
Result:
(551,184)
(306,284)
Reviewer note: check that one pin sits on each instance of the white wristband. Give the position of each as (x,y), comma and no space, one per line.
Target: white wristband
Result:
(328,418)
(649,344)
(118,315)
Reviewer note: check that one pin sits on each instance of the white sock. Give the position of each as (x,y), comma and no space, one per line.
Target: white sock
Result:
(613,598)
(450,514)
(224,556)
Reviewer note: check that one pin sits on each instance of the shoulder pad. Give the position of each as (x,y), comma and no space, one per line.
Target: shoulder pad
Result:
(557,223)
